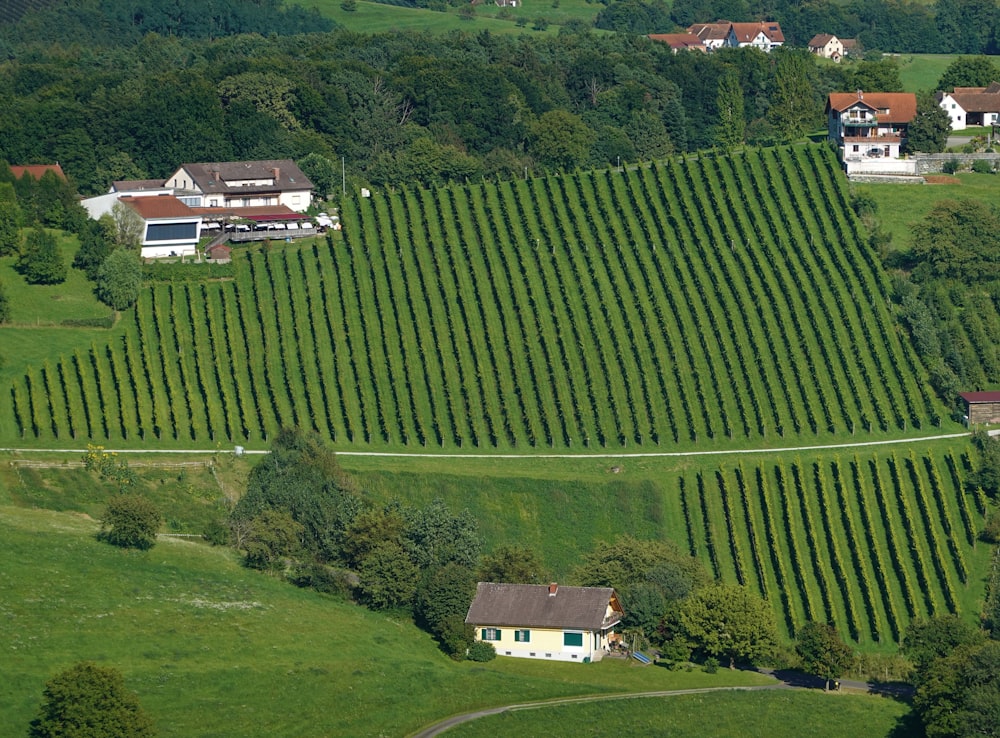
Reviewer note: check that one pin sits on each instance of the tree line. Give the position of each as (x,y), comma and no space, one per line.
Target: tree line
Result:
(404,107)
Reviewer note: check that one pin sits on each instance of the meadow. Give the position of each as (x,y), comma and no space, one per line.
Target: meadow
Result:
(214,649)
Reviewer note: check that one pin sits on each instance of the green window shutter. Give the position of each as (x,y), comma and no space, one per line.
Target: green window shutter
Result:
(483,637)
(522,636)
(572,639)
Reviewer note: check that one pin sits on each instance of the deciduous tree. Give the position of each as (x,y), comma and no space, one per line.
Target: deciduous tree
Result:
(729,621)
(823,653)
(928,131)
(387,578)
(959,695)
(130,521)
(969,71)
(119,279)
(90,701)
(511,565)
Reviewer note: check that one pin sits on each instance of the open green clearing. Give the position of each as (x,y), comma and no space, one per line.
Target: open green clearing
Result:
(867,539)
(901,206)
(712,302)
(744,714)
(214,649)
(372,17)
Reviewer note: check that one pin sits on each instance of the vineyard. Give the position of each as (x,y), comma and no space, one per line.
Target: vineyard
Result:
(865,542)
(703,302)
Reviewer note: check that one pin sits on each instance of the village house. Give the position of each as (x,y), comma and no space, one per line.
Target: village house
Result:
(243,184)
(36,171)
(869,125)
(545,622)
(170,228)
(679,41)
(763,35)
(827,46)
(971,106)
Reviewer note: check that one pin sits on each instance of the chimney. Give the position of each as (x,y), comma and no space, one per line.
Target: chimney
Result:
(861,95)
(276,172)
(553,588)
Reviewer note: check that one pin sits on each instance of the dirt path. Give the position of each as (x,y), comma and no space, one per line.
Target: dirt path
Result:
(528,456)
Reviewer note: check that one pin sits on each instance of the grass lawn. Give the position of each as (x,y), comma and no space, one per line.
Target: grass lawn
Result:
(370,17)
(213,649)
(746,714)
(900,206)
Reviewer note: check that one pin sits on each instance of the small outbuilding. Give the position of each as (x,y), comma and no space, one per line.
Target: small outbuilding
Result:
(981,407)
(220,253)
(549,622)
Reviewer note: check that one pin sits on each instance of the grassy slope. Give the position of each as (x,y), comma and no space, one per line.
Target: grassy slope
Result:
(214,649)
(902,206)
(729,714)
(371,17)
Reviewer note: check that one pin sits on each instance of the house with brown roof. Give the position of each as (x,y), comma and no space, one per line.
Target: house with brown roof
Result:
(971,106)
(170,228)
(869,125)
(827,46)
(763,35)
(36,171)
(679,41)
(712,35)
(242,184)
(550,622)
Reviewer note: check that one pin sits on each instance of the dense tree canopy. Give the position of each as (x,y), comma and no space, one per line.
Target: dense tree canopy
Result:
(90,701)
(959,239)
(119,279)
(929,129)
(41,260)
(960,693)
(730,621)
(822,651)
(969,71)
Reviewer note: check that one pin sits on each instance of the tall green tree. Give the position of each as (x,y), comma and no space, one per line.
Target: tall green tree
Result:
(731,128)
(729,621)
(958,239)
(929,129)
(560,139)
(387,577)
(119,279)
(959,695)
(969,71)
(935,638)
(823,653)
(795,107)
(90,701)
(4,305)
(41,261)
(511,565)
(10,220)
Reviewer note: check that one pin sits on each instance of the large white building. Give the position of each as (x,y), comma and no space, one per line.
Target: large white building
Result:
(235,184)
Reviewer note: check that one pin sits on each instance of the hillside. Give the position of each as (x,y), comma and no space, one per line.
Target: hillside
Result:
(712,302)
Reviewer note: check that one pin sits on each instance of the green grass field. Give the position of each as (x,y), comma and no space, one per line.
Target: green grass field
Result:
(372,17)
(214,649)
(901,206)
(724,715)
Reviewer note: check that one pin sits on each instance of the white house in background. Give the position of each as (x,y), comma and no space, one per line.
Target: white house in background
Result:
(971,106)
(869,125)
(827,46)
(712,35)
(234,184)
(554,623)
(170,228)
(764,35)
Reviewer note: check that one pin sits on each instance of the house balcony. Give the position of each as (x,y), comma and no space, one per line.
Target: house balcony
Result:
(853,121)
(881,140)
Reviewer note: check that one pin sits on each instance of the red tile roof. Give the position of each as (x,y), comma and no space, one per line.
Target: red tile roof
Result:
(902,106)
(37,170)
(679,41)
(747,32)
(158,206)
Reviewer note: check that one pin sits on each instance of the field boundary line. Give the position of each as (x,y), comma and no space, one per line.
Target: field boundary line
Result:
(524,456)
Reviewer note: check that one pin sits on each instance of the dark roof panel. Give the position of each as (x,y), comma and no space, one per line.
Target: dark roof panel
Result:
(531,605)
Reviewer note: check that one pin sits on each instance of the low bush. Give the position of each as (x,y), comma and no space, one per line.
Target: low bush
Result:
(950,166)
(982,166)
(482,651)
(130,521)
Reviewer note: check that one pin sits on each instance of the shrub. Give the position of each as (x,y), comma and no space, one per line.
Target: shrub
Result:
(130,521)
(711,665)
(482,651)
(982,166)
(217,533)
(950,166)
(90,700)
(991,532)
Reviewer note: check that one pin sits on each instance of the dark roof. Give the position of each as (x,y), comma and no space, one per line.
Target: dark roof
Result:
(978,99)
(902,106)
(133,185)
(747,32)
(212,177)
(531,606)
(974,398)
(711,31)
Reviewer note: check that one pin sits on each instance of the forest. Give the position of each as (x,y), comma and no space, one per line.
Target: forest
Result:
(400,108)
